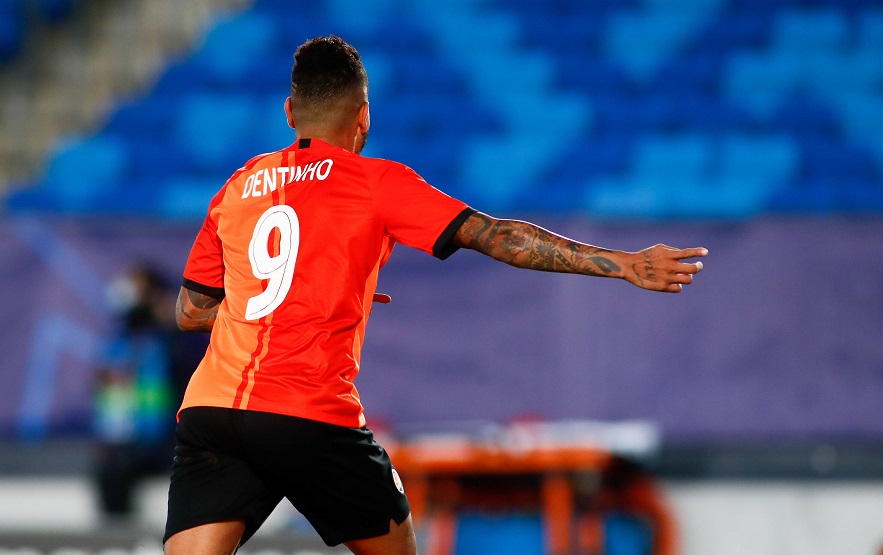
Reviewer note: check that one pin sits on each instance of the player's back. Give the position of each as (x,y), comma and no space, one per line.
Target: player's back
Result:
(295,240)
(301,244)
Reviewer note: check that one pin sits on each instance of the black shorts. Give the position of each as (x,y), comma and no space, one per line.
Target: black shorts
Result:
(238,465)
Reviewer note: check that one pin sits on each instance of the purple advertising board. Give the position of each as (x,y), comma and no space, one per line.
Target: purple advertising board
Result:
(781,336)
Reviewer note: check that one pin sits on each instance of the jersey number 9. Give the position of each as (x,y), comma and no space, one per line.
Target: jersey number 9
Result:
(279,269)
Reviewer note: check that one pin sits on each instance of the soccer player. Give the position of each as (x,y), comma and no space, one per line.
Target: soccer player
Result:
(283,273)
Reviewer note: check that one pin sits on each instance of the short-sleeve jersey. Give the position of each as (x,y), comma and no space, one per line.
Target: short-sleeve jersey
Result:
(293,243)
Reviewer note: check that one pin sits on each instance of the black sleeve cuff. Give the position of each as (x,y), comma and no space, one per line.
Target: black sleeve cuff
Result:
(214,292)
(443,247)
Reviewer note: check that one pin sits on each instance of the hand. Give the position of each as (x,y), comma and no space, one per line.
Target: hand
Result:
(659,268)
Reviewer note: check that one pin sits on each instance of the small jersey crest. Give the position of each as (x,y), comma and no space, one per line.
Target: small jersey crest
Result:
(397,481)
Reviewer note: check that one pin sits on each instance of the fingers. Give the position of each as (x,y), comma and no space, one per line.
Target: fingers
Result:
(681,278)
(690,253)
(682,275)
(690,268)
(683,272)
(683,268)
(676,283)
(659,268)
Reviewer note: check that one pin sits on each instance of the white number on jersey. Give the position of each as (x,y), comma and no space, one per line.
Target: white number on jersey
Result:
(278,269)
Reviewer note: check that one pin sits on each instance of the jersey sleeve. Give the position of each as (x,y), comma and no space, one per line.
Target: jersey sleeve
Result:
(417,214)
(204,272)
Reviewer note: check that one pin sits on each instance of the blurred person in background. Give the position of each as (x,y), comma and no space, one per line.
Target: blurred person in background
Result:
(135,391)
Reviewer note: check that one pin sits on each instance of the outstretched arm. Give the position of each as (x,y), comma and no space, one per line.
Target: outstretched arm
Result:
(525,245)
(195,311)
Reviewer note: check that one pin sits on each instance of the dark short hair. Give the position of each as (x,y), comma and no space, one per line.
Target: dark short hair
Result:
(325,70)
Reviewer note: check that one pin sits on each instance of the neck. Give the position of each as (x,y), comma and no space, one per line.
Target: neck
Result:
(342,138)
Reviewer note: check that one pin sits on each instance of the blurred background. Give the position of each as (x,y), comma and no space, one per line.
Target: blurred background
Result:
(751,127)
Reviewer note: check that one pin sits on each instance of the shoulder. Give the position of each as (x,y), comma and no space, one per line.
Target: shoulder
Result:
(381,162)
(386,170)
(259,161)
(246,173)
(253,163)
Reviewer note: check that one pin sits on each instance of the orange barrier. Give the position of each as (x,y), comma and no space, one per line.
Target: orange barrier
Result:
(444,477)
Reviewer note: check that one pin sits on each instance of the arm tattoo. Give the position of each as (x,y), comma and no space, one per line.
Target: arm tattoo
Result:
(198,312)
(606,265)
(645,271)
(525,245)
(202,301)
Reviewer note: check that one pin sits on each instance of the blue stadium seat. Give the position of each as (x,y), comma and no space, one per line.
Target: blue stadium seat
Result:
(185,197)
(746,29)
(601,154)
(637,114)
(692,6)
(153,159)
(254,35)
(12,28)
(564,32)
(596,156)
(870,23)
(549,196)
(402,35)
(862,115)
(641,43)
(825,158)
(644,41)
(683,155)
(183,76)
(83,169)
(415,75)
(760,82)
(53,10)
(810,30)
(268,129)
(150,116)
(837,74)
(764,7)
(806,116)
(620,197)
(691,73)
(768,158)
(810,195)
(864,196)
(210,129)
(269,75)
(581,7)
(432,157)
(706,113)
(295,26)
(614,115)
(382,74)
(590,74)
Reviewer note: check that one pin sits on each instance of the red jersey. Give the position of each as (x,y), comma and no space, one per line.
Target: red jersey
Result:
(293,242)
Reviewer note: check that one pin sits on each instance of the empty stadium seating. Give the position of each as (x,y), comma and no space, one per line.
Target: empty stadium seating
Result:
(17,15)
(638,109)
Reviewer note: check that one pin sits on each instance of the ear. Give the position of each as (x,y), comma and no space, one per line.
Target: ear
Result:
(288,115)
(364,118)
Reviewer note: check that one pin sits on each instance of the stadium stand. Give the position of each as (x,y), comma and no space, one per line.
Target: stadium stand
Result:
(16,16)
(639,109)
(582,109)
